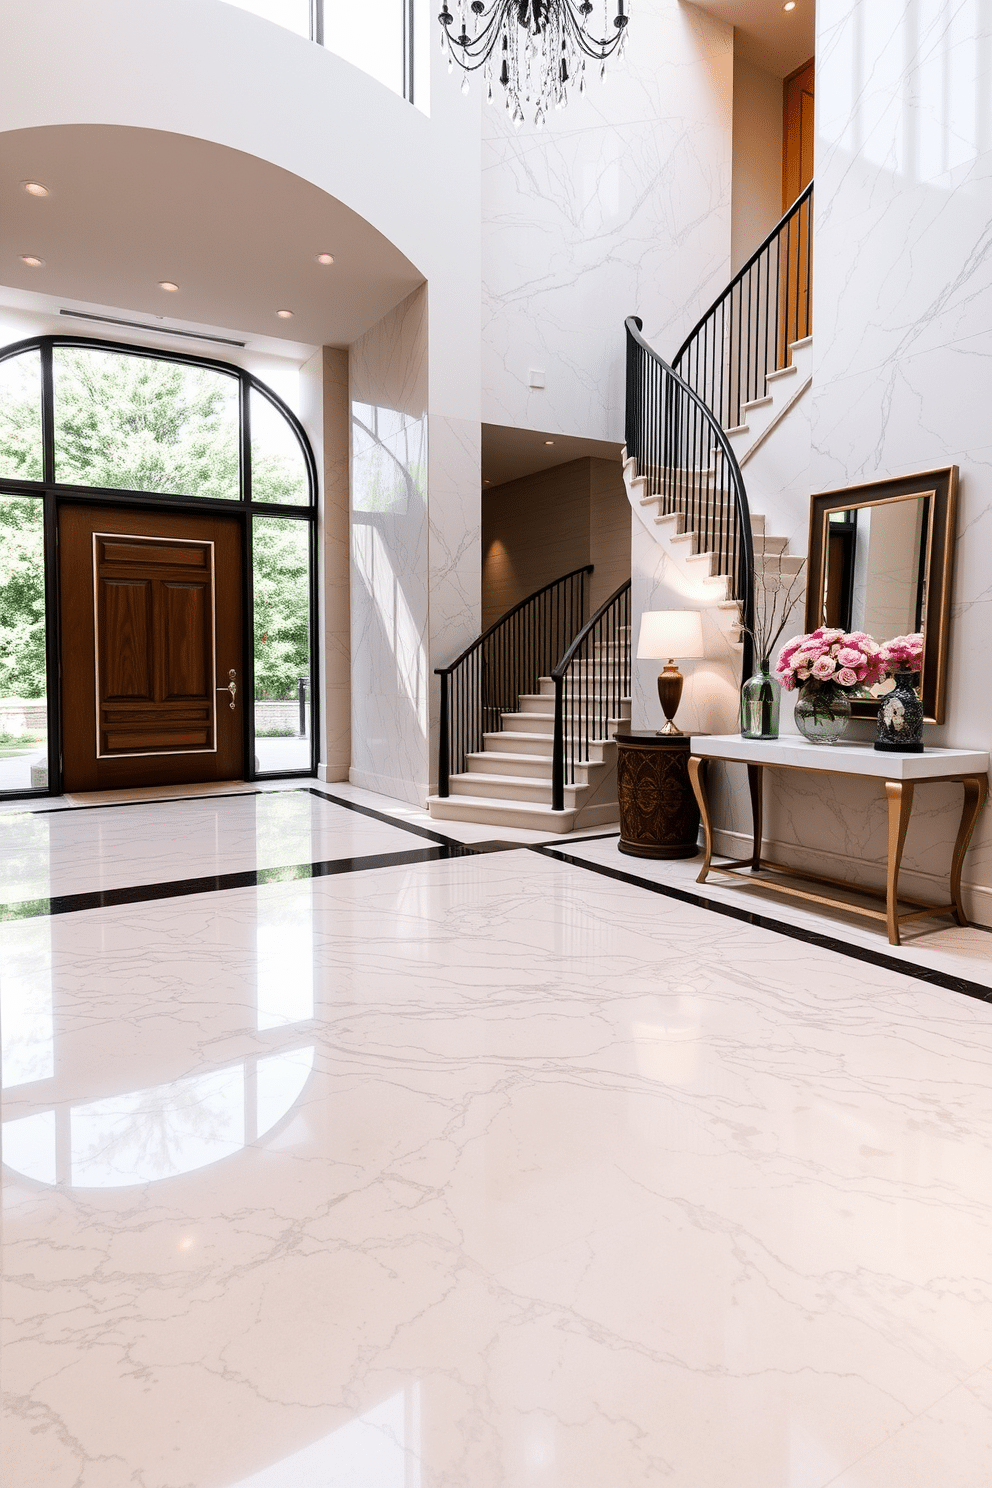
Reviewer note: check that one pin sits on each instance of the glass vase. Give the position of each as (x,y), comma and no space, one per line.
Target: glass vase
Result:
(823,710)
(900,717)
(761,697)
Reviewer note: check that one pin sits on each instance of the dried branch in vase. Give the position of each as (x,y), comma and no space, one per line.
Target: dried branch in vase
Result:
(776,594)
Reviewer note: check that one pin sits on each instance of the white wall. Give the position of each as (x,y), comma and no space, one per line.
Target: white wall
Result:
(902,305)
(212,71)
(757,159)
(619,206)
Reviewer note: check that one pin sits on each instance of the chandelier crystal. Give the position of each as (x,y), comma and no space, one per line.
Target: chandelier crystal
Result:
(536,49)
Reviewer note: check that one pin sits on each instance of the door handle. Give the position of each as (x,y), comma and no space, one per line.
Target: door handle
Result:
(232,687)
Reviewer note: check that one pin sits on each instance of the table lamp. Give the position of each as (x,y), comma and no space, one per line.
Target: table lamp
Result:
(667,634)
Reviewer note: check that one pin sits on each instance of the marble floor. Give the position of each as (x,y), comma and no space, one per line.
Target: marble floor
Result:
(343,1153)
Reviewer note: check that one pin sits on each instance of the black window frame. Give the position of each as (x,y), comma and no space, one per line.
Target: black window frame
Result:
(243,508)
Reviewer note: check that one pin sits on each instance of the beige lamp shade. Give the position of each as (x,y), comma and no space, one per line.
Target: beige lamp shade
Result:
(674,634)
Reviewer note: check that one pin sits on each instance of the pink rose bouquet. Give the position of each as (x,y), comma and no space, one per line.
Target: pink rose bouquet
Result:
(830,655)
(902,654)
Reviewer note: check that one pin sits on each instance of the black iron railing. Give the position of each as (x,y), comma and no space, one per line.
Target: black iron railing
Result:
(747,332)
(507,660)
(591,681)
(689,468)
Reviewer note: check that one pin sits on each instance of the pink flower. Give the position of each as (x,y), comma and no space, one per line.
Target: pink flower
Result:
(847,678)
(850,656)
(823,668)
(830,636)
(902,654)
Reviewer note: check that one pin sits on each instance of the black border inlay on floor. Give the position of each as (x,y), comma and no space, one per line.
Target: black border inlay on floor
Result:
(912,969)
(445,848)
(251,878)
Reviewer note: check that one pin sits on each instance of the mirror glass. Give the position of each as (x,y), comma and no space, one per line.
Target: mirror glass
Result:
(876,568)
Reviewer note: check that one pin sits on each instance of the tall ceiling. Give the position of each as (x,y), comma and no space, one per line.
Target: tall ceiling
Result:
(766,34)
(130,207)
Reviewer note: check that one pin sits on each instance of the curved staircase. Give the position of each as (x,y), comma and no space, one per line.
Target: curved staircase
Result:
(693,426)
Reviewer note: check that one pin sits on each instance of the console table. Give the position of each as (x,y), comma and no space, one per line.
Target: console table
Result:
(900,774)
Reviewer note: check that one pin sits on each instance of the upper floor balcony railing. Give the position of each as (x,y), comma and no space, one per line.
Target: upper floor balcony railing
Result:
(389,40)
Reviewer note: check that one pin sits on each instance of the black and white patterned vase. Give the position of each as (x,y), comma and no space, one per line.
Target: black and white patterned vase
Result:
(900,717)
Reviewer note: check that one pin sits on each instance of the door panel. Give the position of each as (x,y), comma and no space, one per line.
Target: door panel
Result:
(147,627)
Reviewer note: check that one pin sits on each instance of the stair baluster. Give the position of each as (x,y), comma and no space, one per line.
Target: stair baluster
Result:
(592,680)
(506,661)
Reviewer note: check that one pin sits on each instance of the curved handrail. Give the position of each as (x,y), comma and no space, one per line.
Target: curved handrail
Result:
(742,273)
(586,568)
(559,671)
(597,692)
(507,660)
(743,579)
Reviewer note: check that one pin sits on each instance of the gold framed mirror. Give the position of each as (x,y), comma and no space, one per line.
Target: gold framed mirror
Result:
(880,559)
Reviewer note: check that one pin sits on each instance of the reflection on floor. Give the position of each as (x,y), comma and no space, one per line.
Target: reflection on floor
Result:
(489,1168)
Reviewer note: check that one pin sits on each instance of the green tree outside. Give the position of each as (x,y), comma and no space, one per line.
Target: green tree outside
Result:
(140,424)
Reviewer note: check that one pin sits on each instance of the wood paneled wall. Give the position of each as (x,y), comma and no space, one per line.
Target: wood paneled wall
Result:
(539,527)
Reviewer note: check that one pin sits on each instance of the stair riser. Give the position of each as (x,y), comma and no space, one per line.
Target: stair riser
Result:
(507,743)
(494,763)
(532,792)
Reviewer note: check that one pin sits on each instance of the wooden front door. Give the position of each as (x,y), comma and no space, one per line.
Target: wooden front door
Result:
(151,655)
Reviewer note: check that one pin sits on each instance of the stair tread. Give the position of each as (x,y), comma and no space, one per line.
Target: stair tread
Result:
(529,782)
(492,801)
(781,372)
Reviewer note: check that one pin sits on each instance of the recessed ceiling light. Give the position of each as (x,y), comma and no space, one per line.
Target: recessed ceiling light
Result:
(35,188)
(789,5)
(285,314)
(32,262)
(325,258)
(549,441)
(168,284)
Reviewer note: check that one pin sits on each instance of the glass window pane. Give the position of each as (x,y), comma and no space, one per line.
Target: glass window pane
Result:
(20,416)
(281,569)
(293,14)
(278,469)
(377,48)
(140,424)
(23,680)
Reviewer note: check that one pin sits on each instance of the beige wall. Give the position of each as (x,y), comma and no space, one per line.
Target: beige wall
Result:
(542,526)
(756,192)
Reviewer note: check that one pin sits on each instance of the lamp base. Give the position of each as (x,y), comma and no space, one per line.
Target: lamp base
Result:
(670,729)
(669,695)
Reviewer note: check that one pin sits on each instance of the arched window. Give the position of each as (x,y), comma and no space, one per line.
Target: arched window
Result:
(83,420)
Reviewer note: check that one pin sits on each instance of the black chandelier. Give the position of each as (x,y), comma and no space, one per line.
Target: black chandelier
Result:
(534,48)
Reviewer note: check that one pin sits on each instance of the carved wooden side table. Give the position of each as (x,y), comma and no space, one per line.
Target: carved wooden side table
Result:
(659,817)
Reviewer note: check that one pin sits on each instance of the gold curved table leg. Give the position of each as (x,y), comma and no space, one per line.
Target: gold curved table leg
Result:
(697,776)
(900,795)
(976,788)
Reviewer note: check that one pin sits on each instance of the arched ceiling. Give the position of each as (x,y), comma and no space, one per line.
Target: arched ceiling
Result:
(130,207)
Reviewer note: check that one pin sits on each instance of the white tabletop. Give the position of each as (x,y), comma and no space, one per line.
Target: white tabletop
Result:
(840,759)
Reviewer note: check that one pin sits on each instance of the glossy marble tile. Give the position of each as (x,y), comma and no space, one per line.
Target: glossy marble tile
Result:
(69,852)
(937,944)
(490,1171)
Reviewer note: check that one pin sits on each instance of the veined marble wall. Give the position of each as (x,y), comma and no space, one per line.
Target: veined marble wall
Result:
(415,552)
(619,206)
(902,306)
(389,552)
